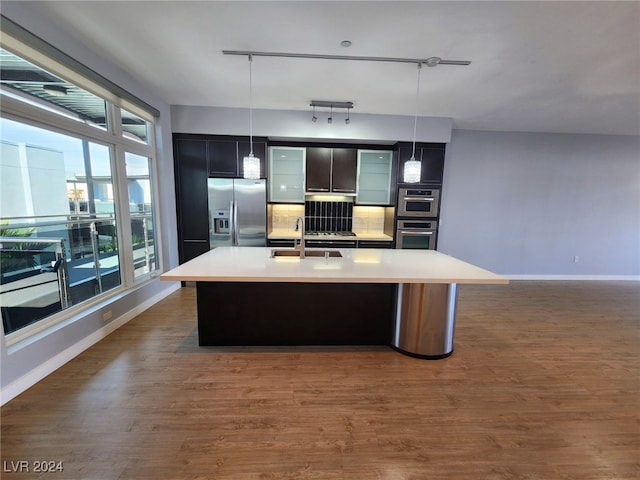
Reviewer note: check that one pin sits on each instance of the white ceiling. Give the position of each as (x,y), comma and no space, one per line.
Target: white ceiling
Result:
(569,67)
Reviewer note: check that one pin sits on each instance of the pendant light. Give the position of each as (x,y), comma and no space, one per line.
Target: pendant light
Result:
(250,163)
(412,167)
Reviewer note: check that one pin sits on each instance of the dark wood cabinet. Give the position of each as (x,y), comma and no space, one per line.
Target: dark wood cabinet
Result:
(374,244)
(318,169)
(431,157)
(331,169)
(282,242)
(225,157)
(190,157)
(344,170)
(432,164)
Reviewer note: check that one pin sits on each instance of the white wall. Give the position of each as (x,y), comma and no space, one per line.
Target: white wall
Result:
(22,365)
(525,204)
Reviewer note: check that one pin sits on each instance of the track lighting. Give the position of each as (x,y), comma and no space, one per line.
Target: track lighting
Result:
(331,105)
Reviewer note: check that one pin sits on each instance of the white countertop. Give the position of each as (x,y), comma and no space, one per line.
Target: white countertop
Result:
(371,265)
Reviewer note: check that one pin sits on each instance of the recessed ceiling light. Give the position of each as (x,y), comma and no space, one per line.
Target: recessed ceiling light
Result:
(345,43)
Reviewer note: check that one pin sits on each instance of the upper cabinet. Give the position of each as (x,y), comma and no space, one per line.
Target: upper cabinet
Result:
(375,169)
(431,157)
(225,157)
(286,174)
(318,173)
(344,170)
(331,170)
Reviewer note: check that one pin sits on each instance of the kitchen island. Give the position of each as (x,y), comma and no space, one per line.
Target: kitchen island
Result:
(402,298)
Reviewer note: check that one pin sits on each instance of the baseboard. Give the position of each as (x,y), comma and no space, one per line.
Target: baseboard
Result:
(15,388)
(633,278)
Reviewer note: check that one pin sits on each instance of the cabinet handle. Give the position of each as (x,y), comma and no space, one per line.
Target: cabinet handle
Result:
(317,189)
(348,190)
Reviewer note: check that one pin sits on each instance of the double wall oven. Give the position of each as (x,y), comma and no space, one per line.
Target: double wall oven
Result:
(417,217)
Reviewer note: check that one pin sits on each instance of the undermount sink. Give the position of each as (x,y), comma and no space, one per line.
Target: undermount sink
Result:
(307,253)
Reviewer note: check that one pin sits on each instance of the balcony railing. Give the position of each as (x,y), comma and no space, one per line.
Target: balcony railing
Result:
(48,264)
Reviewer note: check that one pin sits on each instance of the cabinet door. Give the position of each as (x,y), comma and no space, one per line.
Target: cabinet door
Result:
(191,194)
(223,158)
(286,174)
(344,170)
(374,244)
(432,165)
(259,150)
(318,178)
(374,177)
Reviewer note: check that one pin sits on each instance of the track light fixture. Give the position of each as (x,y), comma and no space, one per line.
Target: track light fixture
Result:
(331,105)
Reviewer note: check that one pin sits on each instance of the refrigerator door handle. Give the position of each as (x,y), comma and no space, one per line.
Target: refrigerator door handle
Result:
(236,235)
(232,224)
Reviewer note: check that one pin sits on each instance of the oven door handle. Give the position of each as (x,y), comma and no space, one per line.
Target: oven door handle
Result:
(408,232)
(419,199)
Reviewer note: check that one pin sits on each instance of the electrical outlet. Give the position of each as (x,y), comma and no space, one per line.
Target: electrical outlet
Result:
(106,316)
(576,259)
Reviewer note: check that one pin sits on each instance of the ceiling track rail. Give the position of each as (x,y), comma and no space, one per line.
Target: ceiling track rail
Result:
(430,62)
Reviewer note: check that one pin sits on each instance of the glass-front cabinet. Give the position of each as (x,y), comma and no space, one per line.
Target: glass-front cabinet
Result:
(374,177)
(286,174)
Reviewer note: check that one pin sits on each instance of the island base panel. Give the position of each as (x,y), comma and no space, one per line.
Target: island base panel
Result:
(260,314)
(425,319)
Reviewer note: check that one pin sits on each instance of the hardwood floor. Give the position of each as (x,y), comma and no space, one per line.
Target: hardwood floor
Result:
(543,384)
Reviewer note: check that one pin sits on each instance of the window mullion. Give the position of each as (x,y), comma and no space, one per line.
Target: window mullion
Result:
(123,216)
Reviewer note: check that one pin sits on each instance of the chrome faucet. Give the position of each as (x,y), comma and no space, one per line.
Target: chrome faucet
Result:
(300,246)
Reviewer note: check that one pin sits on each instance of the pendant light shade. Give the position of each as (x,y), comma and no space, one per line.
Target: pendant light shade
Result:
(412,170)
(412,167)
(251,163)
(251,167)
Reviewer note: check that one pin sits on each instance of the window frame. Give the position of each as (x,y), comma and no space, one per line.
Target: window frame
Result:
(118,144)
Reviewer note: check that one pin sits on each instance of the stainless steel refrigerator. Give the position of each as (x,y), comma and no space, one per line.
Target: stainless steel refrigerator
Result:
(237,212)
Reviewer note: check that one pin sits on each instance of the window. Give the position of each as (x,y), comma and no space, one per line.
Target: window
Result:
(141,211)
(37,87)
(77,195)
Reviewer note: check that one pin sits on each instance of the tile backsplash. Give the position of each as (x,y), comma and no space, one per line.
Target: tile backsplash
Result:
(332,216)
(328,216)
(283,216)
(368,219)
